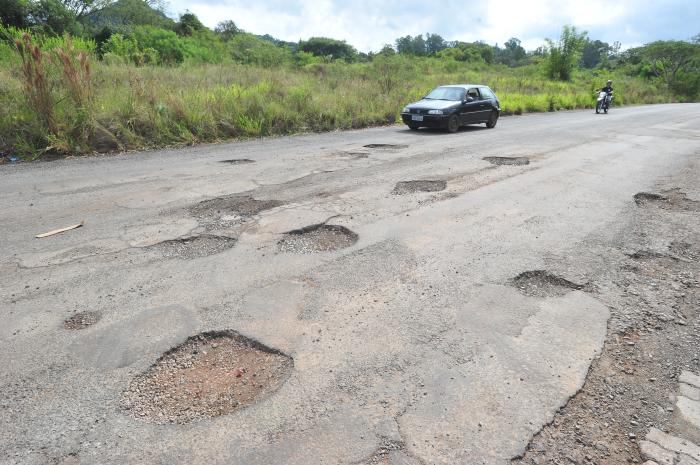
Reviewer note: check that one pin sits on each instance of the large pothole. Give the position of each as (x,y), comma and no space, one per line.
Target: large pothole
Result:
(194,246)
(672,199)
(82,320)
(227,210)
(516,161)
(317,238)
(209,375)
(541,283)
(410,187)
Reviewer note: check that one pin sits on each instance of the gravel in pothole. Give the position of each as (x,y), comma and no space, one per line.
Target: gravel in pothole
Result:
(317,238)
(541,283)
(233,206)
(193,247)
(237,161)
(672,199)
(82,320)
(516,161)
(209,375)
(410,187)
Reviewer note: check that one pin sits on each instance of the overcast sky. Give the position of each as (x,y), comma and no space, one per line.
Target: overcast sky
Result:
(369,24)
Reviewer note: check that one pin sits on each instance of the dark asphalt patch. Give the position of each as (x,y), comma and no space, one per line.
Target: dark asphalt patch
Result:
(193,247)
(82,320)
(317,238)
(237,161)
(209,375)
(515,161)
(386,146)
(648,255)
(410,187)
(541,283)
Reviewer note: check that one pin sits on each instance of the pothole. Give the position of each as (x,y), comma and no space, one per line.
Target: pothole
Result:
(541,283)
(237,161)
(194,246)
(230,208)
(386,146)
(82,320)
(353,155)
(409,187)
(516,161)
(209,375)
(317,238)
(648,255)
(672,199)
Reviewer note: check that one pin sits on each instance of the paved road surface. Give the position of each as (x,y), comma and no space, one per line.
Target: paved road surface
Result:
(411,346)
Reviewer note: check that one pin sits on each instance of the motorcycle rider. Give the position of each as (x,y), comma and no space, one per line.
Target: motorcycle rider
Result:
(608,89)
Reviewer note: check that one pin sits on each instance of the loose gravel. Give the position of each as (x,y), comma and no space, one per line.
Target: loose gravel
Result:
(82,320)
(541,283)
(411,187)
(516,161)
(193,247)
(317,238)
(211,374)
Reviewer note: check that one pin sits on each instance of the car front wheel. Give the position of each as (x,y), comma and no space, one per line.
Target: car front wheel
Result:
(413,127)
(453,123)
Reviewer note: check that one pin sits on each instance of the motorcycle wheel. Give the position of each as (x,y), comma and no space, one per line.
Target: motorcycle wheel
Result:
(597,108)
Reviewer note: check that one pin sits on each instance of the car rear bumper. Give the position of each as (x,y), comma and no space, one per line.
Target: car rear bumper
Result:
(429,121)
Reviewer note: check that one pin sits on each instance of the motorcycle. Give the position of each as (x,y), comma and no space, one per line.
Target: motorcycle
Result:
(603,103)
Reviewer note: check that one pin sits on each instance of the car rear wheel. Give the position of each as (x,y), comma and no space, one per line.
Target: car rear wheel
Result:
(493,119)
(453,123)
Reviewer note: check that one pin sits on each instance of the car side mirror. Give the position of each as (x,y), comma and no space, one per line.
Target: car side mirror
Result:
(468,99)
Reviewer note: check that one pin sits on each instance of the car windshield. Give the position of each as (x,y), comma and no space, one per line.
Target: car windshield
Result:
(446,93)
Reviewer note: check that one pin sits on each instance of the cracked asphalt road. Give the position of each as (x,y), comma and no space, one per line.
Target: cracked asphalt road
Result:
(410,345)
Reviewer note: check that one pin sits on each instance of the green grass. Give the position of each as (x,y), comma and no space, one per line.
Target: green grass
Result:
(150,106)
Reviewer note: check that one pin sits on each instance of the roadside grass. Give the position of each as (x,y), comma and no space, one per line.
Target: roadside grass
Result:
(135,107)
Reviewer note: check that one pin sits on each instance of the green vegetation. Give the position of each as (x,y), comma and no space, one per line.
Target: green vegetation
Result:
(84,76)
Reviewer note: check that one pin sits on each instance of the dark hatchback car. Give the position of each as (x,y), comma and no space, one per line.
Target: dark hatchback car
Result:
(453,106)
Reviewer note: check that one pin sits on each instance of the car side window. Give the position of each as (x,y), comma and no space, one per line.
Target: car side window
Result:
(473,93)
(486,92)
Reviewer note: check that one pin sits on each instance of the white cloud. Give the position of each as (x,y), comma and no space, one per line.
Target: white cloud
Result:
(369,24)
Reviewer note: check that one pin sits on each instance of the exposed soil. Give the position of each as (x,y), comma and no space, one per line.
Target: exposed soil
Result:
(516,161)
(541,283)
(209,375)
(672,199)
(317,238)
(653,335)
(237,161)
(410,187)
(194,247)
(386,146)
(82,320)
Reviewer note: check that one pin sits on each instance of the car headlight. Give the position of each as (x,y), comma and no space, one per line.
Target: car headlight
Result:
(406,110)
(435,112)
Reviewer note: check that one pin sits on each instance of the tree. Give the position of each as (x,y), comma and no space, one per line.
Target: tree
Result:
(52,17)
(81,8)
(227,29)
(513,53)
(123,15)
(594,52)
(14,13)
(434,43)
(188,24)
(671,57)
(563,55)
(411,45)
(332,48)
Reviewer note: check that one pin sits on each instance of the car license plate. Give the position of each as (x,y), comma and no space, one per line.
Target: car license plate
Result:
(417,117)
